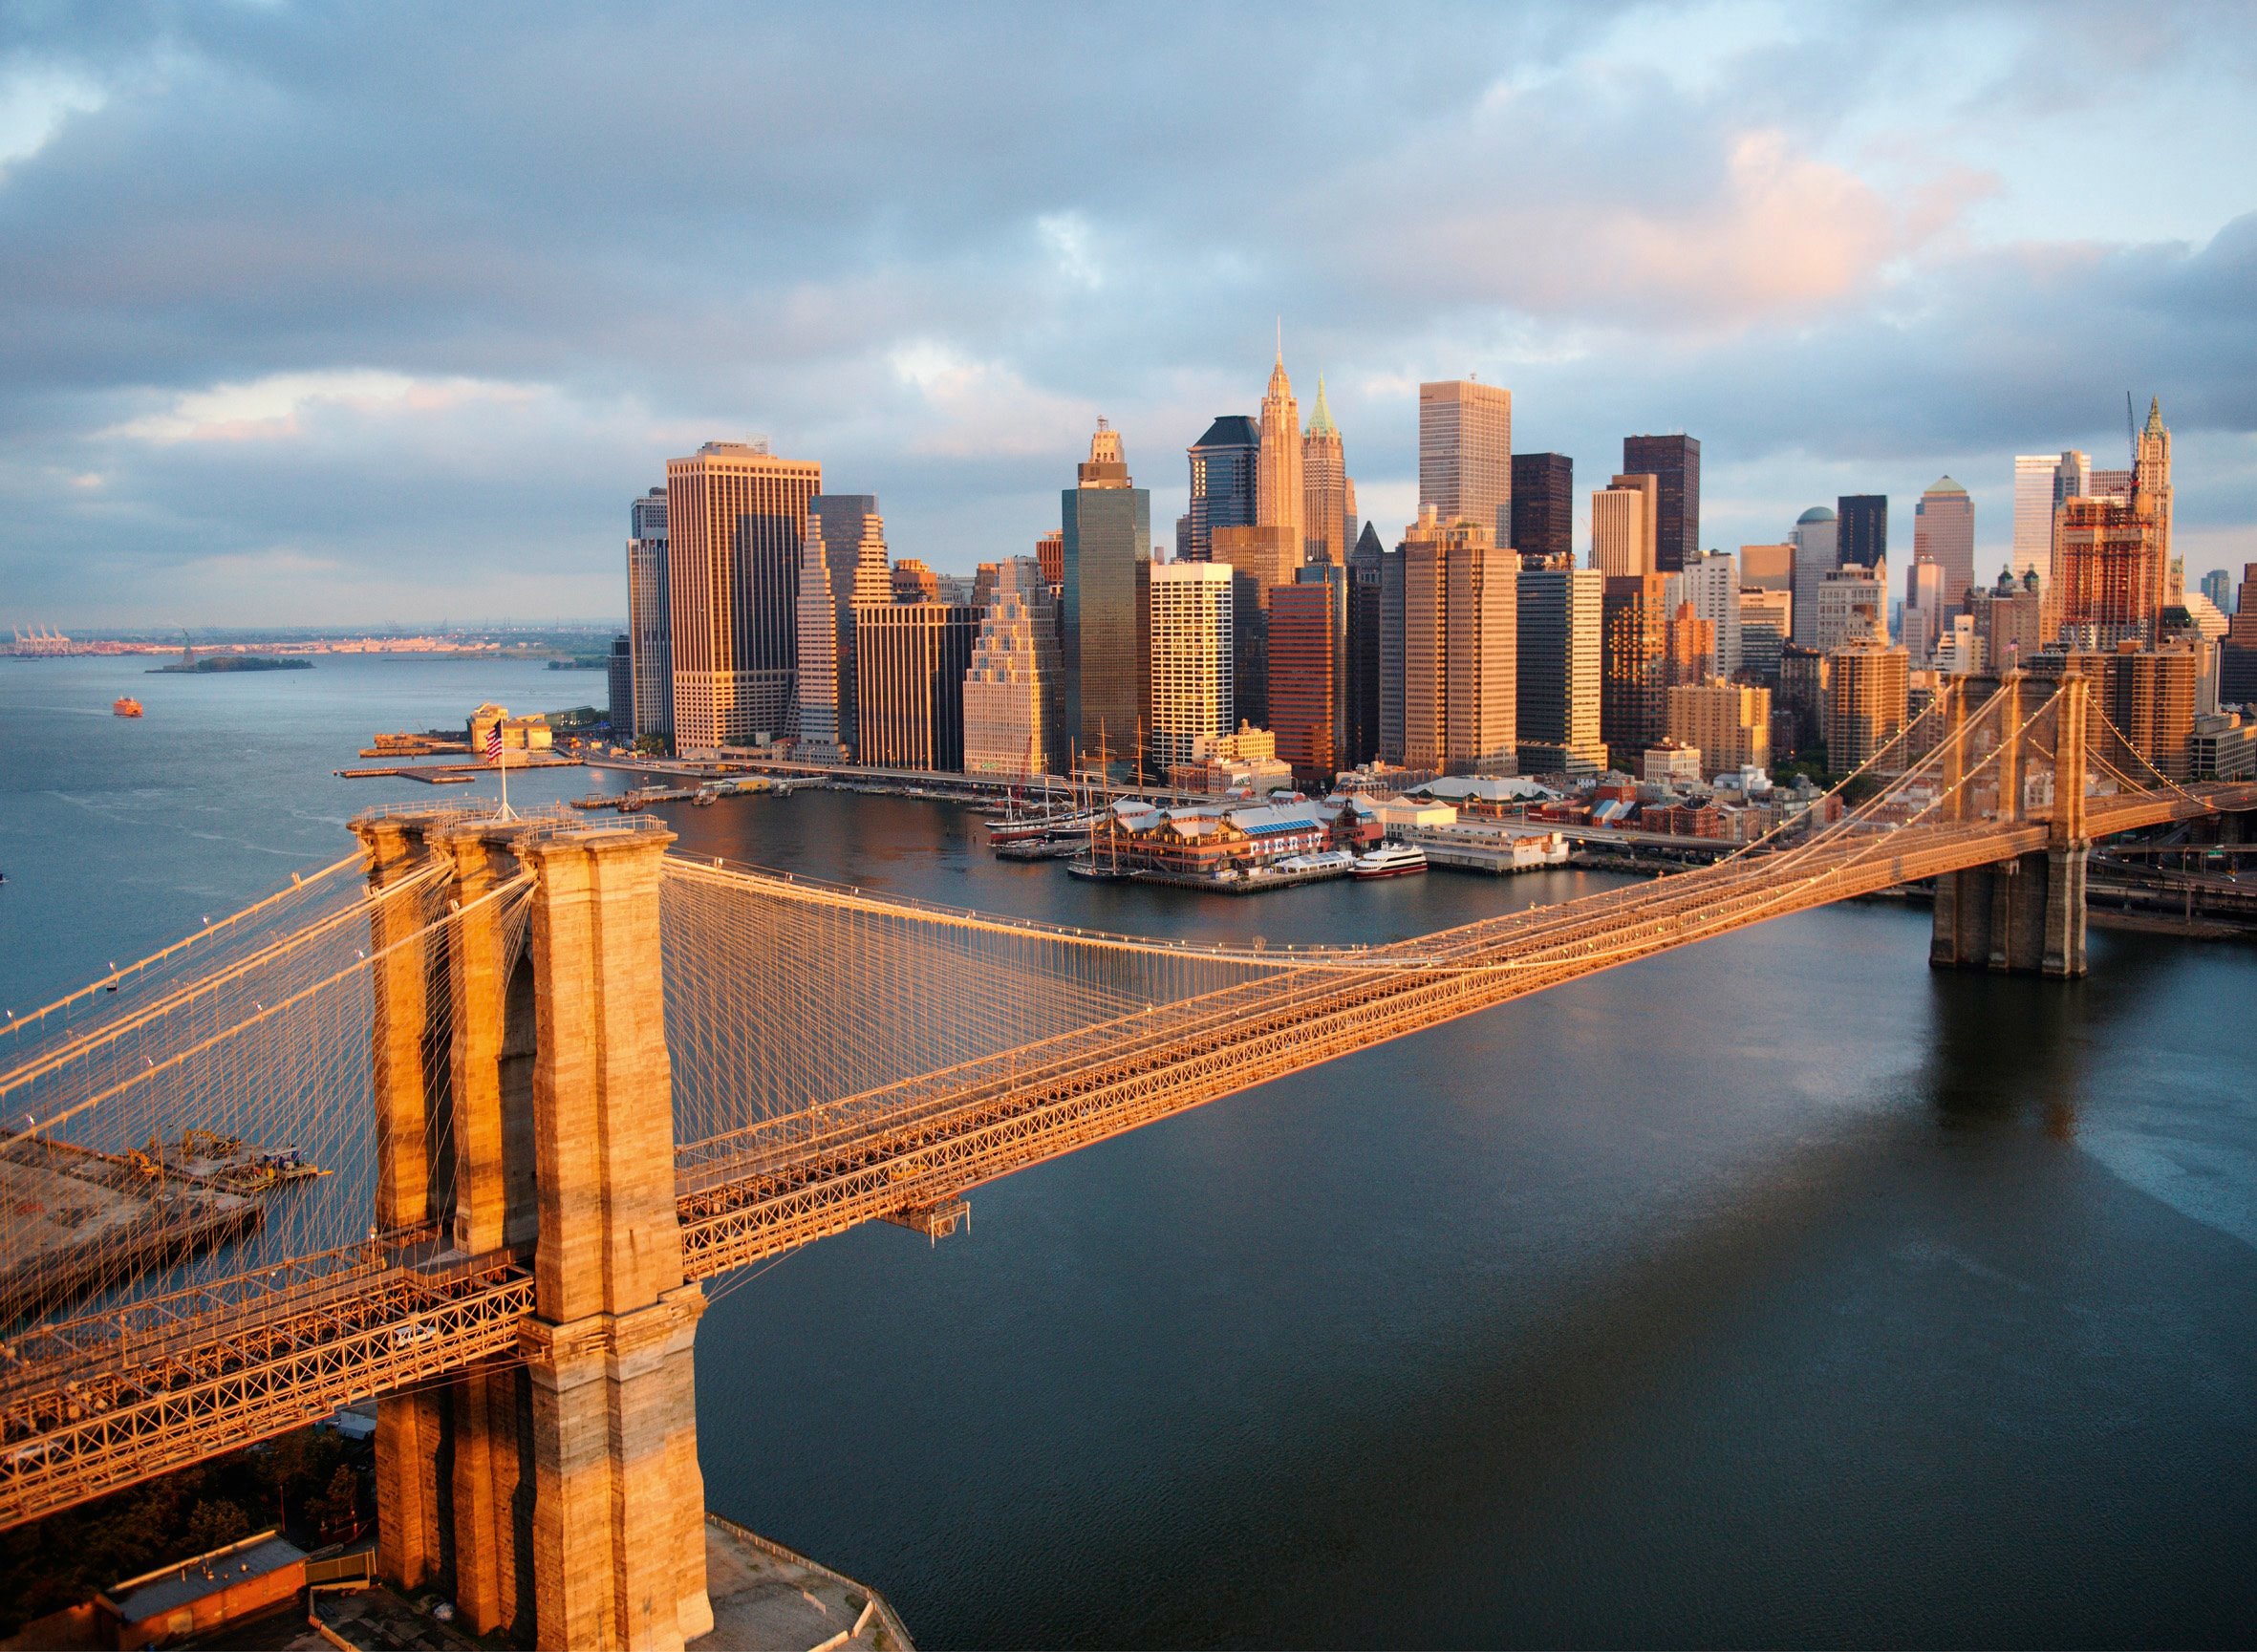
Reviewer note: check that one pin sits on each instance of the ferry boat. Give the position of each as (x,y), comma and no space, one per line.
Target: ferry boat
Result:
(1391,860)
(126,706)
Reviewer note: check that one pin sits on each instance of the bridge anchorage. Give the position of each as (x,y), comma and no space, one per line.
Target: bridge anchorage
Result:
(553,1077)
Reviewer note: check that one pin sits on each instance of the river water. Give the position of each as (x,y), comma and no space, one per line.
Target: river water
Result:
(1781,1291)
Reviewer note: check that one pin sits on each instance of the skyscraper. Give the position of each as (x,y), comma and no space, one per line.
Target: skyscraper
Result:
(2237,654)
(1393,616)
(1304,663)
(1674,462)
(1624,518)
(845,518)
(1862,536)
(827,660)
(2109,569)
(1923,623)
(1730,724)
(619,686)
(1193,666)
(1710,582)
(1224,465)
(2217,585)
(909,660)
(1944,532)
(1634,666)
(1011,689)
(1324,487)
(1853,601)
(1051,554)
(2151,474)
(1277,501)
(736,517)
(848,532)
(1767,566)
(1465,455)
(1767,619)
(649,624)
(1558,700)
(913,582)
(1461,645)
(1263,558)
(1543,508)
(1816,554)
(2009,621)
(1366,564)
(1866,701)
(1104,608)
(2037,495)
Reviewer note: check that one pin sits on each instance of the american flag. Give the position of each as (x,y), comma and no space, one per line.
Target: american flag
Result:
(493,740)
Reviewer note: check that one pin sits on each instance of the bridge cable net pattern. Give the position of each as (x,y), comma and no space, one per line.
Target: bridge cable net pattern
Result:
(188,1249)
(801,1013)
(838,1056)
(1931,804)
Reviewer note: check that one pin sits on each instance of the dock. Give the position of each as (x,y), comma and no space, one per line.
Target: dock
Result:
(452,773)
(1254,882)
(87,1220)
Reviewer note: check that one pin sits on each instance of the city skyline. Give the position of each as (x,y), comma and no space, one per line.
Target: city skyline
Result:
(302,386)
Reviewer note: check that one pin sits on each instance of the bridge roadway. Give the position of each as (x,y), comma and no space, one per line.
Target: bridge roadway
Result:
(105,1401)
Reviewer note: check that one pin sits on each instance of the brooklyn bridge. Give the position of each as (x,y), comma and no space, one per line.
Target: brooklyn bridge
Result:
(463,1122)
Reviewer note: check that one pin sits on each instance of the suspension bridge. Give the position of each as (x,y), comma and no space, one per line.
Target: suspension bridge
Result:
(463,1122)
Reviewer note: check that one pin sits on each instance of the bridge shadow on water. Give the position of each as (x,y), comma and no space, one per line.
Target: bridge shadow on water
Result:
(1902,1381)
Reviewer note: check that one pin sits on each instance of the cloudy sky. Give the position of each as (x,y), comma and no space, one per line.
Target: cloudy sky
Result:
(357,314)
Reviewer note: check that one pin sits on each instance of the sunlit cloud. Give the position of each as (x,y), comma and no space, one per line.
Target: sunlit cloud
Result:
(976,407)
(369,284)
(277,408)
(34,102)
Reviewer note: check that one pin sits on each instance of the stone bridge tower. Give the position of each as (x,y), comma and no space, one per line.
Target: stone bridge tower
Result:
(522,1103)
(2026,914)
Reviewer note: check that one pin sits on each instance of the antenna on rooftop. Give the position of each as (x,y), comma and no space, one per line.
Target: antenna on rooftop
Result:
(2132,429)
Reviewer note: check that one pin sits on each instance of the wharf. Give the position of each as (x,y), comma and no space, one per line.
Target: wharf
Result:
(766,1599)
(85,1218)
(1491,853)
(414,745)
(635,801)
(452,773)
(428,775)
(1250,884)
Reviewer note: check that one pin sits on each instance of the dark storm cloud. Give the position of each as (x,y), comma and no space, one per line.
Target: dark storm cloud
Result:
(311,303)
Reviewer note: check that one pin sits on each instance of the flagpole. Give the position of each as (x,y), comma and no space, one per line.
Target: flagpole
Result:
(504,760)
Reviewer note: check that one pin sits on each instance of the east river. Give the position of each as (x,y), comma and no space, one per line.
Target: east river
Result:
(1781,1291)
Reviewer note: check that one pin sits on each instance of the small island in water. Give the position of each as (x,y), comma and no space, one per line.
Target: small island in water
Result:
(200,663)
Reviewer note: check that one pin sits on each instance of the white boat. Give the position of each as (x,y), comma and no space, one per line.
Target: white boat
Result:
(1391,860)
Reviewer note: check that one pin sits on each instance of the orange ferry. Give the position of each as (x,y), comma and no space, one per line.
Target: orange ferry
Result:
(128,706)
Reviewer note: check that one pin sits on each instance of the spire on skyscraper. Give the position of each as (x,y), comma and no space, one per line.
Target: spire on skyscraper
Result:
(1326,493)
(1277,472)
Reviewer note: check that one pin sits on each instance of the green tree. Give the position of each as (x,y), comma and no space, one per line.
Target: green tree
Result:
(214,1523)
(339,1504)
